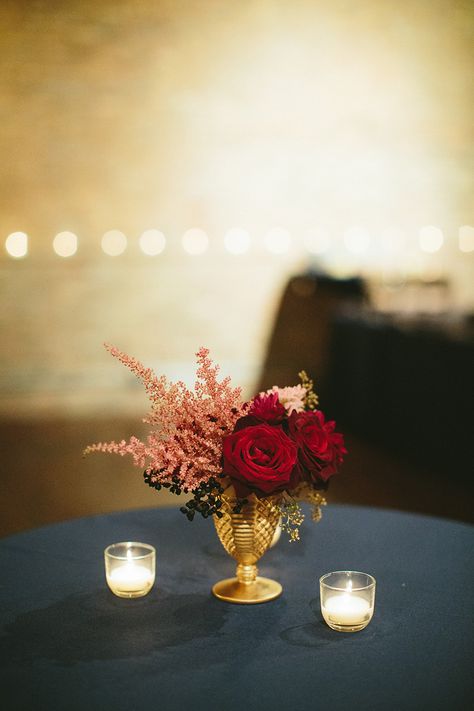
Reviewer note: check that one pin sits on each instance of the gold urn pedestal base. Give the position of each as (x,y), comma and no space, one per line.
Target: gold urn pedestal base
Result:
(261,590)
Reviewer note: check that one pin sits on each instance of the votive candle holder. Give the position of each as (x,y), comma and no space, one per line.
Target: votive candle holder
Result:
(130,568)
(347,600)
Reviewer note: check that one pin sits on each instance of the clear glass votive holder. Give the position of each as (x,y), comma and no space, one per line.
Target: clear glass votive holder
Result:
(347,600)
(130,568)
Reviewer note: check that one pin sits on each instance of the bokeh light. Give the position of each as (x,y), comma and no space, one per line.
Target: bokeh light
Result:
(278,240)
(114,243)
(16,244)
(237,241)
(431,239)
(195,241)
(65,244)
(152,242)
(317,241)
(466,238)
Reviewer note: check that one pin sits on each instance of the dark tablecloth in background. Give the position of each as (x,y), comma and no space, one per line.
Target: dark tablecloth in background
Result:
(406,385)
(68,643)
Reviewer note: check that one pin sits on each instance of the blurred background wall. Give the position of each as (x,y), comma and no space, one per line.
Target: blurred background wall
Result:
(168,166)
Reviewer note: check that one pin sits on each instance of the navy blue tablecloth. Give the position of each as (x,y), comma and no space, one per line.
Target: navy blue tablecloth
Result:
(67,643)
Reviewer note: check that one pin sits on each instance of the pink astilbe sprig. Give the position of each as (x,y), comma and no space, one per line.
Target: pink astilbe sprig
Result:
(187,426)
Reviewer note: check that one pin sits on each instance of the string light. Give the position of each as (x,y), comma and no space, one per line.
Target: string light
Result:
(152,242)
(317,241)
(65,244)
(431,239)
(114,243)
(466,238)
(278,240)
(16,244)
(195,241)
(237,241)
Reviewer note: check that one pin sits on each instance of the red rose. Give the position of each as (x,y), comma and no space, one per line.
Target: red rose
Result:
(260,459)
(320,449)
(268,408)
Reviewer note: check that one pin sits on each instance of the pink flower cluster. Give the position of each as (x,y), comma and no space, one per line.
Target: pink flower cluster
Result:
(291,397)
(276,443)
(187,426)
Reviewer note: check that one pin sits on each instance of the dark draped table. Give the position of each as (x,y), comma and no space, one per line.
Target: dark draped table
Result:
(68,643)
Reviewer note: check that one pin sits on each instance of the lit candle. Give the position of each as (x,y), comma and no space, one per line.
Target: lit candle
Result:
(131,577)
(130,573)
(347,610)
(343,608)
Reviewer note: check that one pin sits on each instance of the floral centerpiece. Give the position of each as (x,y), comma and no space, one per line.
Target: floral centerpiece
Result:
(238,461)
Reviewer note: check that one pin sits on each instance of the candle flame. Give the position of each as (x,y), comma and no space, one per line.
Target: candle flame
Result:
(129,556)
(349,586)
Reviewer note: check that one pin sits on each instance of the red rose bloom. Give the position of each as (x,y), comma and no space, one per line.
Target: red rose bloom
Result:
(260,459)
(320,449)
(268,408)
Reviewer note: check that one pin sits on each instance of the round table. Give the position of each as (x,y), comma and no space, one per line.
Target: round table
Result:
(68,643)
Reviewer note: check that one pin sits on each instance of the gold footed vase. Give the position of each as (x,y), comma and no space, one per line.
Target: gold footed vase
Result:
(246,536)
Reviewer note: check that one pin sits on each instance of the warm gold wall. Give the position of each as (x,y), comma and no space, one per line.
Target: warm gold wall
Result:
(135,114)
